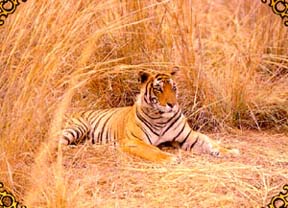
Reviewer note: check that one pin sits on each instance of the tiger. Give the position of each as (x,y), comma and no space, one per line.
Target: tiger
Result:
(155,118)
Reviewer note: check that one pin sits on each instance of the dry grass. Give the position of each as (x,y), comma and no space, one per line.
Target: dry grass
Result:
(58,57)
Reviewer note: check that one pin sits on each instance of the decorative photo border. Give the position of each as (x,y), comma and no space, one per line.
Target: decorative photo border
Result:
(7,199)
(8,7)
(280,200)
(279,7)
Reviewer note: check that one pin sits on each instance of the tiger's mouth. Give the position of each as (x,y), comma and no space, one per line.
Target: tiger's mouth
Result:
(165,110)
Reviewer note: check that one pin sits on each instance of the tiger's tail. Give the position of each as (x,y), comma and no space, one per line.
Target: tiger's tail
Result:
(75,132)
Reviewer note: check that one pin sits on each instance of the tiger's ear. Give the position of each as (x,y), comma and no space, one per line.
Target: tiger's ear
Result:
(174,70)
(143,76)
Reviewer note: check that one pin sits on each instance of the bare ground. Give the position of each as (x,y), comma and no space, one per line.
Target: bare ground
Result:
(101,176)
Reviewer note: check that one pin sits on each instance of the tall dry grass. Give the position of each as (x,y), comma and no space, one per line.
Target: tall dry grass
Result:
(58,57)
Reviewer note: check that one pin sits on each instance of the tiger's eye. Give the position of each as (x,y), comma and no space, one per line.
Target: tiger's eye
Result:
(154,100)
(157,91)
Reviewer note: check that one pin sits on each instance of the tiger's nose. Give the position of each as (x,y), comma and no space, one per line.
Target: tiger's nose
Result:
(170,105)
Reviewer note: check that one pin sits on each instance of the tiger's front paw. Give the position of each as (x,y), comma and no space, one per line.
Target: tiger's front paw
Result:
(215,153)
(170,159)
(221,151)
(174,160)
(234,152)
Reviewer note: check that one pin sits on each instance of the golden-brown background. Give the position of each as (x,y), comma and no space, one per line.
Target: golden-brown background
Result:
(59,57)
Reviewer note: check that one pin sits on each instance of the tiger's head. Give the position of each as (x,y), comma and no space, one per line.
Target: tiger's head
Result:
(158,92)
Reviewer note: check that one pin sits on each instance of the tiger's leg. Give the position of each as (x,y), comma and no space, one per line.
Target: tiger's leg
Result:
(76,130)
(203,143)
(146,151)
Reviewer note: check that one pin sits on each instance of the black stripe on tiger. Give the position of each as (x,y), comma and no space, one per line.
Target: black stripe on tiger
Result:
(149,116)
(181,143)
(172,123)
(180,132)
(146,88)
(172,117)
(83,128)
(147,136)
(135,136)
(66,139)
(144,121)
(100,137)
(150,97)
(99,117)
(194,143)
(73,132)
(162,76)
(107,134)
